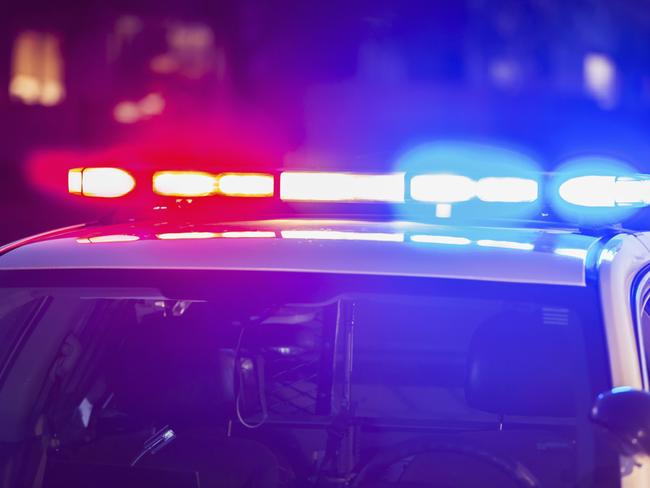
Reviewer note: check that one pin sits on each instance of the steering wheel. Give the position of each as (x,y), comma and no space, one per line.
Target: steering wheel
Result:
(521,477)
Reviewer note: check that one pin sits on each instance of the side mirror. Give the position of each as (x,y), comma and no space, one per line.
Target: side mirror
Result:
(625,413)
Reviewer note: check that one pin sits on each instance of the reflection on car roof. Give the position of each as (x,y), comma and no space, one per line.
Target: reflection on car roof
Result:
(552,256)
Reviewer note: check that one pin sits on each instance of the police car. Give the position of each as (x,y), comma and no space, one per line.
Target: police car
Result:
(190,344)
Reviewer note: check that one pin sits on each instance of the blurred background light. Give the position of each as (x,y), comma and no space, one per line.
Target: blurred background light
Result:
(600,78)
(37,69)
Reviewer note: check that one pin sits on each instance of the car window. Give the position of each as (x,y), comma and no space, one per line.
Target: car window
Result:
(17,308)
(318,376)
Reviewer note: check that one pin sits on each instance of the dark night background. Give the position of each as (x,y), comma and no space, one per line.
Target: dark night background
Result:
(315,84)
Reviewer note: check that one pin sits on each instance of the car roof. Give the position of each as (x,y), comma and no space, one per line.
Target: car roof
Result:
(545,256)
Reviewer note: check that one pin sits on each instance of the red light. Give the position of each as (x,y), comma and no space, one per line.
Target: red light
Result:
(100,182)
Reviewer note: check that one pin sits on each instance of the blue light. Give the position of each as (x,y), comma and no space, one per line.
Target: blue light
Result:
(605,191)
(512,190)
(442,188)
(451,188)
(597,190)
(473,181)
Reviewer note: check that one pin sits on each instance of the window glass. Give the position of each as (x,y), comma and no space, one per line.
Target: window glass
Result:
(316,375)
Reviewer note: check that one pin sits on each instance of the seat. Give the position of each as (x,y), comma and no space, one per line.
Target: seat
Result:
(174,371)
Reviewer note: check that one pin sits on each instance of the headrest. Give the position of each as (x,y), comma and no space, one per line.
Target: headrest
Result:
(518,365)
(174,367)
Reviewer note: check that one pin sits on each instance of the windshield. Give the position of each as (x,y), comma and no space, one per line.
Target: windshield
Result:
(181,379)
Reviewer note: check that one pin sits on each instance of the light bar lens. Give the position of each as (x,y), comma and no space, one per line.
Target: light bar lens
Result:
(202,184)
(605,191)
(185,183)
(341,187)
(507,190)
(246,185)
(442,188)
(74,181)
(449,188)
(100,182)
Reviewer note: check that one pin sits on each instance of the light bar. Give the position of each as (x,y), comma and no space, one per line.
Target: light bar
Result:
(341,187)
(605,191)
(100,182)
(185,183)
(202,184)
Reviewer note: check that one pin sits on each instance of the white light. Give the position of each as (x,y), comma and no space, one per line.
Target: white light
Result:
(605,191)
(342,235)
(341,187)
(185,183)
(509,189)
(104,182)
(589,191)
(631,191)
(442,188)
(249,185)
(429,239)
(573,253)
(522,246)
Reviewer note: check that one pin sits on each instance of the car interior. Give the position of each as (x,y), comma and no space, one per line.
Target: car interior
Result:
(367,390)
